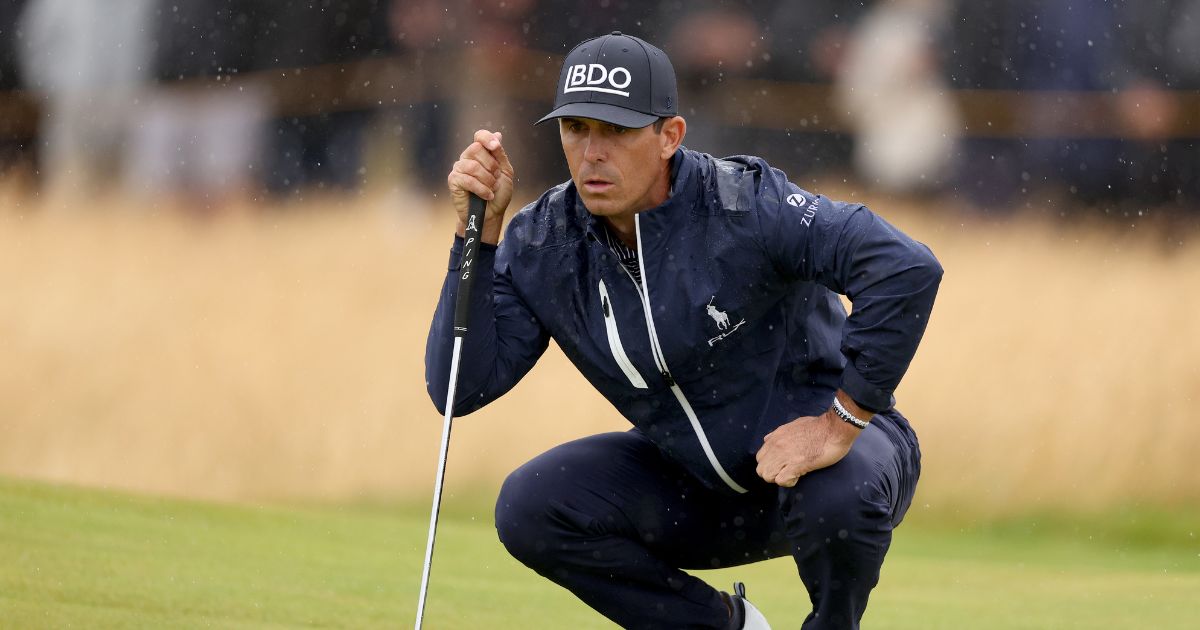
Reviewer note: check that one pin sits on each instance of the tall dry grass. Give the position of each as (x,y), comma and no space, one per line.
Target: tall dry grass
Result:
(279,354)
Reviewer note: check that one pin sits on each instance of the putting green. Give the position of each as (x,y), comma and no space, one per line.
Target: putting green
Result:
(85,558)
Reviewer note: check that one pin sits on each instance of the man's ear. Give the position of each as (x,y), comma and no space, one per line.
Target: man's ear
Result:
(674,129)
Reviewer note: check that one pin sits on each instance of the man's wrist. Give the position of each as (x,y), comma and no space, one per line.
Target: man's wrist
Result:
(848,411)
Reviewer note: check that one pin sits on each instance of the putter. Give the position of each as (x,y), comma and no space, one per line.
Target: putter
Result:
(461,319)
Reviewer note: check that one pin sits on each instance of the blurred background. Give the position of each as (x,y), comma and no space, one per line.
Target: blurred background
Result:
(223,228)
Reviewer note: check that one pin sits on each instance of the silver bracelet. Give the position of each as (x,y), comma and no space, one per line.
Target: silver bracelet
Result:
(844,414)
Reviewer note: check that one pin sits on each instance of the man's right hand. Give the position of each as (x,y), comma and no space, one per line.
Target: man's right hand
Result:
(483,169)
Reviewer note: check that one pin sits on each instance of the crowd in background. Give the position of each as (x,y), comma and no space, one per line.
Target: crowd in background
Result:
(158,96)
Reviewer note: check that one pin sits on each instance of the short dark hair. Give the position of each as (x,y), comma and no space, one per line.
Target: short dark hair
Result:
(658,124)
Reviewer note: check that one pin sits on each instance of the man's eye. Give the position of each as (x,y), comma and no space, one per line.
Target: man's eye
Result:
(617,130)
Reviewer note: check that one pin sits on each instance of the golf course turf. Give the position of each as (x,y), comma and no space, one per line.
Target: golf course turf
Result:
(84,558)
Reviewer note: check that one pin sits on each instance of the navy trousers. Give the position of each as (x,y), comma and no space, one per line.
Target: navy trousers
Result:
(611,519)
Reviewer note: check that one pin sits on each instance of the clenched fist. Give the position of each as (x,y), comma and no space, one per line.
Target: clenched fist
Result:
(482,168)
(804,445)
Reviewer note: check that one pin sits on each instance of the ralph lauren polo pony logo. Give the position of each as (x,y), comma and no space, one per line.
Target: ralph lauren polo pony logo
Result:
(722,320)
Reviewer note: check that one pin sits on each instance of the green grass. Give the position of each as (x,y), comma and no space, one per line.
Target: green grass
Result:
(92,559)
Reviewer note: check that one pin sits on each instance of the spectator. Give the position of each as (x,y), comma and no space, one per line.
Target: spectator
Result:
(1136,50)
(12,143)
(983,52)
(198,135)
(426,34)
(10,12)
(1159,54)
(1069,45)
(86,61)
(808,43)
(319,148)
(712,43)
(890,85)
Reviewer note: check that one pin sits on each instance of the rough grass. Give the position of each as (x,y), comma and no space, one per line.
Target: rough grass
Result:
(95,559)
(278,354)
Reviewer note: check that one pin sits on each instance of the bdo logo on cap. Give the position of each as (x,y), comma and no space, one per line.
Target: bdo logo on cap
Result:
(592,77)
(617,79)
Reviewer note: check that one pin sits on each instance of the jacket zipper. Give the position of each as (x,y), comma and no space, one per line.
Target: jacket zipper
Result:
(660,362)
(614,341)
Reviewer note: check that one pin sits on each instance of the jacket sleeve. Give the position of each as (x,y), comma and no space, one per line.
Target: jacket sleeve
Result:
(503,338)
(890,278)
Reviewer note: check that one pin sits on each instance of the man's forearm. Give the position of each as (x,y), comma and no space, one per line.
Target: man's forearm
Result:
(502,343)
(892,282)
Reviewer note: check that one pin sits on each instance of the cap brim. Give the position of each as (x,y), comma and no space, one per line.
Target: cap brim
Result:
(603,112)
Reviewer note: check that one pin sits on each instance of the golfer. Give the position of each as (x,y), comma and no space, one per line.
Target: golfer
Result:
(700,297)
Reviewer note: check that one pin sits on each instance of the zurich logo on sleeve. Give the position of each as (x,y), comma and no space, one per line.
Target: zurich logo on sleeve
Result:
(808,207)
(594,77)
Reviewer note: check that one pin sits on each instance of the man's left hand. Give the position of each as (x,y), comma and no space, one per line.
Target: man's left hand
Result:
(804,445)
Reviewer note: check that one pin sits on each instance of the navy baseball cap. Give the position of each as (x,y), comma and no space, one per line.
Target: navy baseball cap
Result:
(616,78)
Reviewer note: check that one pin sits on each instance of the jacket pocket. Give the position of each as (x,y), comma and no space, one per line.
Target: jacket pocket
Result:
(614,341)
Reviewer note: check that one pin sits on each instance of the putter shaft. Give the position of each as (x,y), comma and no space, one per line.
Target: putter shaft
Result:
(441,476)
(471,236)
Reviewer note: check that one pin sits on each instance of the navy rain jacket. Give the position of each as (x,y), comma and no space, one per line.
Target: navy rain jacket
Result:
(737,329)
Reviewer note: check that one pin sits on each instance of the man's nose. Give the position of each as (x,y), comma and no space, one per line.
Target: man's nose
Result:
(596,149)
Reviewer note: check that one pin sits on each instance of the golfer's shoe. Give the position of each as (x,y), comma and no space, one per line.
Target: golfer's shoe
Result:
(744,615)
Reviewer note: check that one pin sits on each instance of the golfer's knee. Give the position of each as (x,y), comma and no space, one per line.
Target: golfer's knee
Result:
(830,514)
(521,519)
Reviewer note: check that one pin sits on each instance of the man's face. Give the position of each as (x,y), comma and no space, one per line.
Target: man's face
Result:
(617,170)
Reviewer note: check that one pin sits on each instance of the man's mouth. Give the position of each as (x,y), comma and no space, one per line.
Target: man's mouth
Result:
(597,185)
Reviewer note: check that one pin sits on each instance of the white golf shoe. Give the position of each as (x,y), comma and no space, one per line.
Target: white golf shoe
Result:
(745,615)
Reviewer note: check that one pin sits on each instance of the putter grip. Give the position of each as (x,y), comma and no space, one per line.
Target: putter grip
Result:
(466,269)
